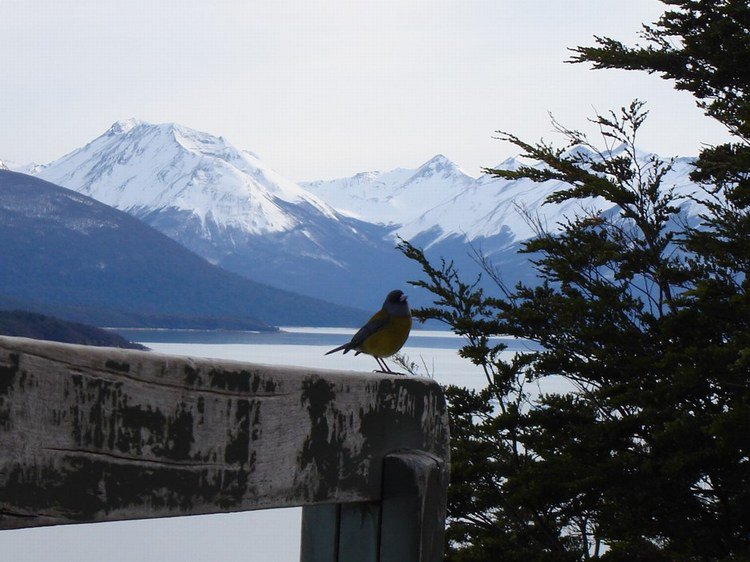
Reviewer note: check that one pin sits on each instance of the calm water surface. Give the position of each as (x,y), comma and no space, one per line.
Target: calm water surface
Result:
(433,351)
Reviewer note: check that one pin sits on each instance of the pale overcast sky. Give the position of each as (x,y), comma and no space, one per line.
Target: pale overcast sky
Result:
(322,89)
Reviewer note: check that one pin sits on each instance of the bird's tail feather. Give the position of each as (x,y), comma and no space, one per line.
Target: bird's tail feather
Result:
(339,348)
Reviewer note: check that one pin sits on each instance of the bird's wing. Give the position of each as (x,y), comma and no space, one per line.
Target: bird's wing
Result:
(374,324)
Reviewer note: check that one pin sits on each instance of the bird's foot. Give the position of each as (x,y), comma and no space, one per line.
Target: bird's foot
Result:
(389,372)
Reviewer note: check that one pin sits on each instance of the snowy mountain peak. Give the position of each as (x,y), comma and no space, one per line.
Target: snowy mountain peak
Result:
(178,135)
(123,126)
(32,168)
(395,197)
(439,166)
(585,152)
(365,177)
(508,208)
(438,201)
(142,167)
(511,163)
(578,151)
(438,161)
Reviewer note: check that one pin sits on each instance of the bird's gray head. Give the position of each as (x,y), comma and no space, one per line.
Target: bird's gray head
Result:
(396,304)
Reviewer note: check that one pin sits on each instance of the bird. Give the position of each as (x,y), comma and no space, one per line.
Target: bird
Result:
(383,334)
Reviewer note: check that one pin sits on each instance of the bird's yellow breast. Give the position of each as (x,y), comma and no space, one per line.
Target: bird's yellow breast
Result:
(389,339)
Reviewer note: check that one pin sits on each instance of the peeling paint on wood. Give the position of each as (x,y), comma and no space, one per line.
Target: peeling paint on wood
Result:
(101,434)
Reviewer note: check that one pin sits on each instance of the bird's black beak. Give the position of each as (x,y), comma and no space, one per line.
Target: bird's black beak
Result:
(403,298)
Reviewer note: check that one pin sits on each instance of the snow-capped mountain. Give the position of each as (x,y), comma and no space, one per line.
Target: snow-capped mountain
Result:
(438,200)
(492,205)
(32,168)
(396,197)
(229,207)
(141,168)
(329,239)
(451,214)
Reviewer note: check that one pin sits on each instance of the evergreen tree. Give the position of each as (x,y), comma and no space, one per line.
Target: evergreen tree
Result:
(644,315)
(704,46)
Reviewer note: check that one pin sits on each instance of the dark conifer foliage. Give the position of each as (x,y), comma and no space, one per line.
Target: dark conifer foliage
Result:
(644,316)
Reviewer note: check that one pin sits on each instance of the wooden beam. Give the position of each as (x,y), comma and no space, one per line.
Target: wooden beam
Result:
(100,434)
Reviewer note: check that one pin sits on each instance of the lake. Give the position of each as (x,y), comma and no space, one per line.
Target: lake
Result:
(255,536)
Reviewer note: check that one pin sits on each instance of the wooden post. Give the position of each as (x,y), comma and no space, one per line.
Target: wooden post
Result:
(413,513)
(320,533)
(100,434)
(407,525)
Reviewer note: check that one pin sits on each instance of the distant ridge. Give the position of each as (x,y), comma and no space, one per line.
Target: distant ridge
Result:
(25,324)
(62,250)
(395,197)
(438,201)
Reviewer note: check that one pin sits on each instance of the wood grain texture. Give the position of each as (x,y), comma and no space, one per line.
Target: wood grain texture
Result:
(101,434)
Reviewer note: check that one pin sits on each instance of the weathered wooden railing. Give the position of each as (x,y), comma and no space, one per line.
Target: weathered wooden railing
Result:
(100,434)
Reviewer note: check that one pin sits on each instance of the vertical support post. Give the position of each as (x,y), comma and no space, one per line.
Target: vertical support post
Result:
(407,525)
(415,488)
(360,526)
(320,533)
(340,532)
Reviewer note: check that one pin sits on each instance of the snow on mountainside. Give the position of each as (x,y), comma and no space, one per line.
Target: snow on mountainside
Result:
(396,197)
(489,215)
(192,185)
(32,168)
(438,200)
(492,205)
(328,239)
(140,167)
(227,206)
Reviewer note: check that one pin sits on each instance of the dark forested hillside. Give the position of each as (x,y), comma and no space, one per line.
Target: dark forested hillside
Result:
(60,251)
(38,326)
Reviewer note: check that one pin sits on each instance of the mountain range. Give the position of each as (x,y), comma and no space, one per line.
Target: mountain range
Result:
(439,198)
(459,217)
(329,239)
(229,207)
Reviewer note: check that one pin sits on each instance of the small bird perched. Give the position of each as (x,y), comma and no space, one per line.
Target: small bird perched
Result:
(385,333)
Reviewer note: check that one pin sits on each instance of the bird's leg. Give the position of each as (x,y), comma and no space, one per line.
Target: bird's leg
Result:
(387,368)
(383,365)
